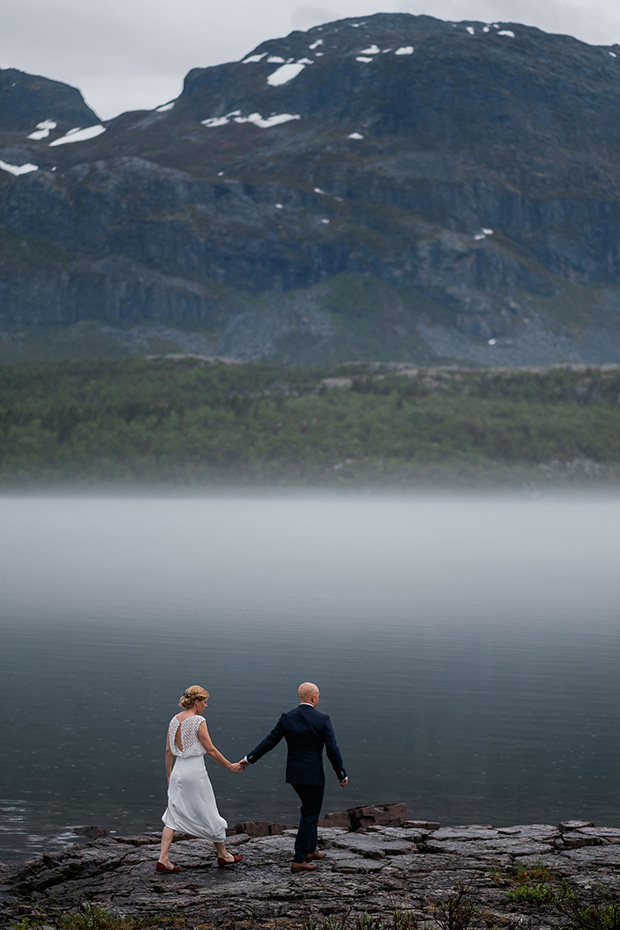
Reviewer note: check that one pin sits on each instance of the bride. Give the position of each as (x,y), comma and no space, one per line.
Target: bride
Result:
(191,802)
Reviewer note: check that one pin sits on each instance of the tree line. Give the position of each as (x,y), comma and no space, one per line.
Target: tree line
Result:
(185,420)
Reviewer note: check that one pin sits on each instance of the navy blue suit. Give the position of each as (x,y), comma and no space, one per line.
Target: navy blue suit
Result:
(306,731)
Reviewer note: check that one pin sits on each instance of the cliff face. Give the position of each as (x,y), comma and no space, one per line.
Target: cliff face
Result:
(390,187)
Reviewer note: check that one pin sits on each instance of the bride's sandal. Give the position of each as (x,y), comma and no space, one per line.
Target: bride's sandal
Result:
(224,862)
(160,867)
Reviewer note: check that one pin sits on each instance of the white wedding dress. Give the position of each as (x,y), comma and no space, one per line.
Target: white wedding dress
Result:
(192,807)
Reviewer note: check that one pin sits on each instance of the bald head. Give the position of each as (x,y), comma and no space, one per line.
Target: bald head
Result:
(308,693)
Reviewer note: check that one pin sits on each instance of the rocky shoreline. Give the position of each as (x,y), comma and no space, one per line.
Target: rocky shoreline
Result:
(378,863)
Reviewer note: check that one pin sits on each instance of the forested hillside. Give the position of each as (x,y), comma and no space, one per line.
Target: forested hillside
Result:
(187,421)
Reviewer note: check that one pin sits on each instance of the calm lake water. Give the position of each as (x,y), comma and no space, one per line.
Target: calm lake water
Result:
(467,650)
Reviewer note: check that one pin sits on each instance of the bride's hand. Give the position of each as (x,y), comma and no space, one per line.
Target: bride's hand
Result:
(237,768)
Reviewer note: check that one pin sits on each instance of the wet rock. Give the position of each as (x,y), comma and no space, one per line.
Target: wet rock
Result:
(355,818)
(567,825)
(421,824)
(603,834)
(93,832)
(239,838)
(340,819)
(148,839)
(252,828)
(374,846)
(601,856)
(275,829)
(376,871)
(386,814)
(578,839)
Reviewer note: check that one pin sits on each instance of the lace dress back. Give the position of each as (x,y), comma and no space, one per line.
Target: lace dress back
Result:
(189,737)
(192,807)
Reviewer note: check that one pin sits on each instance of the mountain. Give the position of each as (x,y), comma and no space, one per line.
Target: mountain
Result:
(27,101)
(390,187)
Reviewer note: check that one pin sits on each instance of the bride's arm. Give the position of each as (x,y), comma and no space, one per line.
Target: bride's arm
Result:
(205,739)
(168,758)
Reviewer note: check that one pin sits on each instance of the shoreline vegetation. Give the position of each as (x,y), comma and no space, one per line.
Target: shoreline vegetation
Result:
(386,873)
(196,422)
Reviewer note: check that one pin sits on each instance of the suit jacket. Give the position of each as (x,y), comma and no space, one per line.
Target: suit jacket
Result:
(306,730)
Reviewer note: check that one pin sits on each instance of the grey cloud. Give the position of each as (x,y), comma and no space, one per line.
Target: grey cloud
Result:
(305,17)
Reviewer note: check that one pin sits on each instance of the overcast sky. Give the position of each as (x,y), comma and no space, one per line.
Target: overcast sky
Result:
(134,54)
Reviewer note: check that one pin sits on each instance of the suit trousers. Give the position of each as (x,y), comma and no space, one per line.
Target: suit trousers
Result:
(311,797)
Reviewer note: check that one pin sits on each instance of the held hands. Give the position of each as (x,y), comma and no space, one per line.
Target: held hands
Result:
(239,767)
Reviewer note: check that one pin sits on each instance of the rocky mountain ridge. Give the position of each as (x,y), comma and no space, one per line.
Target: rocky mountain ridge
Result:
(26,101)
(390,187)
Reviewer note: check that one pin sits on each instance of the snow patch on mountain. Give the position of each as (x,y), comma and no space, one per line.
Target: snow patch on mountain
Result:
(43,129)
(18,169)
(286,73)
(276,119)
(79,135)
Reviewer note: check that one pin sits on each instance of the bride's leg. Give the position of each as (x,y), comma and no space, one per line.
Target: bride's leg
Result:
(223,852)
(166,839)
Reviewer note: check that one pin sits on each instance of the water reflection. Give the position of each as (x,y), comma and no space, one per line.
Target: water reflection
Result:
(466,649)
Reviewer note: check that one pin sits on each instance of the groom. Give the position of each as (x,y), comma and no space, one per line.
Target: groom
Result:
(306,730)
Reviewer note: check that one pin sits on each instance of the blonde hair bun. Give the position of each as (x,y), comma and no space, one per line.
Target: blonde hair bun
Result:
(191,695)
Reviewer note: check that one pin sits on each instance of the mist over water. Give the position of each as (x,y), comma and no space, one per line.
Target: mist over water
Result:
(467,650)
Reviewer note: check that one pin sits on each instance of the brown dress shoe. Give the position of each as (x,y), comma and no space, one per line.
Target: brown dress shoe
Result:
(315,855)
(302,866)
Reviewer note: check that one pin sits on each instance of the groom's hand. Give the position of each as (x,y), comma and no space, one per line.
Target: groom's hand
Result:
(244,764)
(344,782)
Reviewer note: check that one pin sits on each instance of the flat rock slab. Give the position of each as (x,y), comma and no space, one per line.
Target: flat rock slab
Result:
(374,872)
(374,845)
